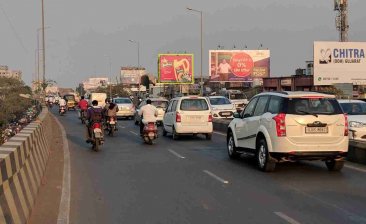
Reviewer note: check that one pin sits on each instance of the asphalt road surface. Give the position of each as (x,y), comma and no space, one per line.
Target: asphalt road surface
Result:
(192,180)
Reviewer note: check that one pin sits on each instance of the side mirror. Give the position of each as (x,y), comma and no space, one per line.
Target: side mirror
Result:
(236,115)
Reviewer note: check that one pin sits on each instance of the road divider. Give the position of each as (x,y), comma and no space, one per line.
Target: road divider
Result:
(23,160)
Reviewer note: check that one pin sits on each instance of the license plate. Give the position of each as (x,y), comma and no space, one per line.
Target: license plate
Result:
(226,114)
(194,118)
(316,130)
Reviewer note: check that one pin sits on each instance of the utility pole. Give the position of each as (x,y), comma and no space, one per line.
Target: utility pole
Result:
(341,7)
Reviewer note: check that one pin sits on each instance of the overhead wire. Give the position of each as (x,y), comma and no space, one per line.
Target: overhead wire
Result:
(14,30)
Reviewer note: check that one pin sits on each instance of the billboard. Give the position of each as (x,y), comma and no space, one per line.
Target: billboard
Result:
(131,75)
(176,68)
(239,65)
(339,62)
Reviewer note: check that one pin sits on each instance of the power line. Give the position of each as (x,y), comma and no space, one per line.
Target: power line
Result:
(14,30)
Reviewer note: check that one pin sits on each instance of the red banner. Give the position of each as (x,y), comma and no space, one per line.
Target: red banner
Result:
(176,68)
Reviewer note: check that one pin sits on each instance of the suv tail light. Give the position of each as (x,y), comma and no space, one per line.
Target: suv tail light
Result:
(280,120)
(345,125)
(178,118)
(210,118)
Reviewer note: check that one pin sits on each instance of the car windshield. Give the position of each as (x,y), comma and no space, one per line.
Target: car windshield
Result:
(313,106)
(354,108)
(160,103)
(194,105)
(122,101)
(235,96)
(219,101)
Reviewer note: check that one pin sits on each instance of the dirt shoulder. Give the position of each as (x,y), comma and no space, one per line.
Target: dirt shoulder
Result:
(47,204)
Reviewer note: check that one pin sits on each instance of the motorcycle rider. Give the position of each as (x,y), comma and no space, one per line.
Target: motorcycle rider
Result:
(62,103)
(94,114)
(83,105)
(148,113)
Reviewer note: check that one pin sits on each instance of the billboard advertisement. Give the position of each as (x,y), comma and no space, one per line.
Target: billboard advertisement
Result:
(131,75)
(176,68)
(339,62)
(239,65)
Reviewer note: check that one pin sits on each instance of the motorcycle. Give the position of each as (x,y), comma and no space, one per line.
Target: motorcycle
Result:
(150,133)
(97,135)
(83,116)
(62,110)
(111,125)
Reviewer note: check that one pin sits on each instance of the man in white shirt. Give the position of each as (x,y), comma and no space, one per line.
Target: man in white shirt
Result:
(62,102)
(148,113)
(224,69)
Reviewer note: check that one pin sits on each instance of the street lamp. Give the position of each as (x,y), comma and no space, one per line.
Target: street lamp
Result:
(201,14)
(138,59)
(110,75)
(43,46)
(38,50)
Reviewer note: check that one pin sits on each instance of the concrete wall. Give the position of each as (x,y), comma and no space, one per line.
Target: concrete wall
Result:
(23,161)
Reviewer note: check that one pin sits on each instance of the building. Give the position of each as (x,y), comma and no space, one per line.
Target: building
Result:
(93,83)
(289,83)
(6,73)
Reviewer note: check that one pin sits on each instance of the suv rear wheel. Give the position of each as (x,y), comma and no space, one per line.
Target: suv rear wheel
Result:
(334,165)
(231,148)
(263,158)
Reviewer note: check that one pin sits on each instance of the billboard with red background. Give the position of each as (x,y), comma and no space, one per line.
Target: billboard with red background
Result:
(239,65)
(176,68)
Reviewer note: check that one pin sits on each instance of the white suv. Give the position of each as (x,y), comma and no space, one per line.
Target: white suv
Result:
(188,115)
(290,126)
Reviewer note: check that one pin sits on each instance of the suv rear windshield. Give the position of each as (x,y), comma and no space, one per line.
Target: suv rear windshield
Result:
(313,106)
(219,101)
(354,108)
(159,103)
(194,105)
(122,101)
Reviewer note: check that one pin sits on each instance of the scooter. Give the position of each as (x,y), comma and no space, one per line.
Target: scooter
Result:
(83,116)
(97,136)
(62,110)
(150,133)
(111,125)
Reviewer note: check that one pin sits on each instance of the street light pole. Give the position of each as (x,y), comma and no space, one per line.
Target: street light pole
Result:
(138,60)
(43,45)
(201,29)
(110,75)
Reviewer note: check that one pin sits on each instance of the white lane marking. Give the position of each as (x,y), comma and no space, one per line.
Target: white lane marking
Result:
(64,210)
(121,126)
(176,154)
(287,218)
(134,133)
(216,177)
(355,168)
(219,133)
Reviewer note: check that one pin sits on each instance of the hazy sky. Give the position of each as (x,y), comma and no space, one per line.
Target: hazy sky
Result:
(83,33)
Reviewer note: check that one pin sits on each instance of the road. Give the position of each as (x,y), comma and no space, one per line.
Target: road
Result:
(192,180)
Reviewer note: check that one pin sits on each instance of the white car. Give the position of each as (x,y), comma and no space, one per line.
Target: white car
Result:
(290,126)
(356,111)
(161,105)
(221,107)
(188,115)
(125,107)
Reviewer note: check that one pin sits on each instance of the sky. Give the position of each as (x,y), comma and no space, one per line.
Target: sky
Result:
(85,36)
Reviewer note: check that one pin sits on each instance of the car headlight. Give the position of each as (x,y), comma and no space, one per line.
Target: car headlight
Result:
(355,124)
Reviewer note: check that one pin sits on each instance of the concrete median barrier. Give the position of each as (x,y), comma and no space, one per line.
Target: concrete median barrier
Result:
(23,161)
(357,152)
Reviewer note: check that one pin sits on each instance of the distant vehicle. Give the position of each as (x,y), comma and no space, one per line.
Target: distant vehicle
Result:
(221,107)
(125,106)
(238,98)
(160,103)
(356,111)
(290,126)
(100,97)
(71,102)
(188,115)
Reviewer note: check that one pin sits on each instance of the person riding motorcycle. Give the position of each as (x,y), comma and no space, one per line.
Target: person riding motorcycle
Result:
(83,105)
(94,114)
(148,113)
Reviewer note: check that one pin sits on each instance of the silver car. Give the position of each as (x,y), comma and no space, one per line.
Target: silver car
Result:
(160,103)
(125,106)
